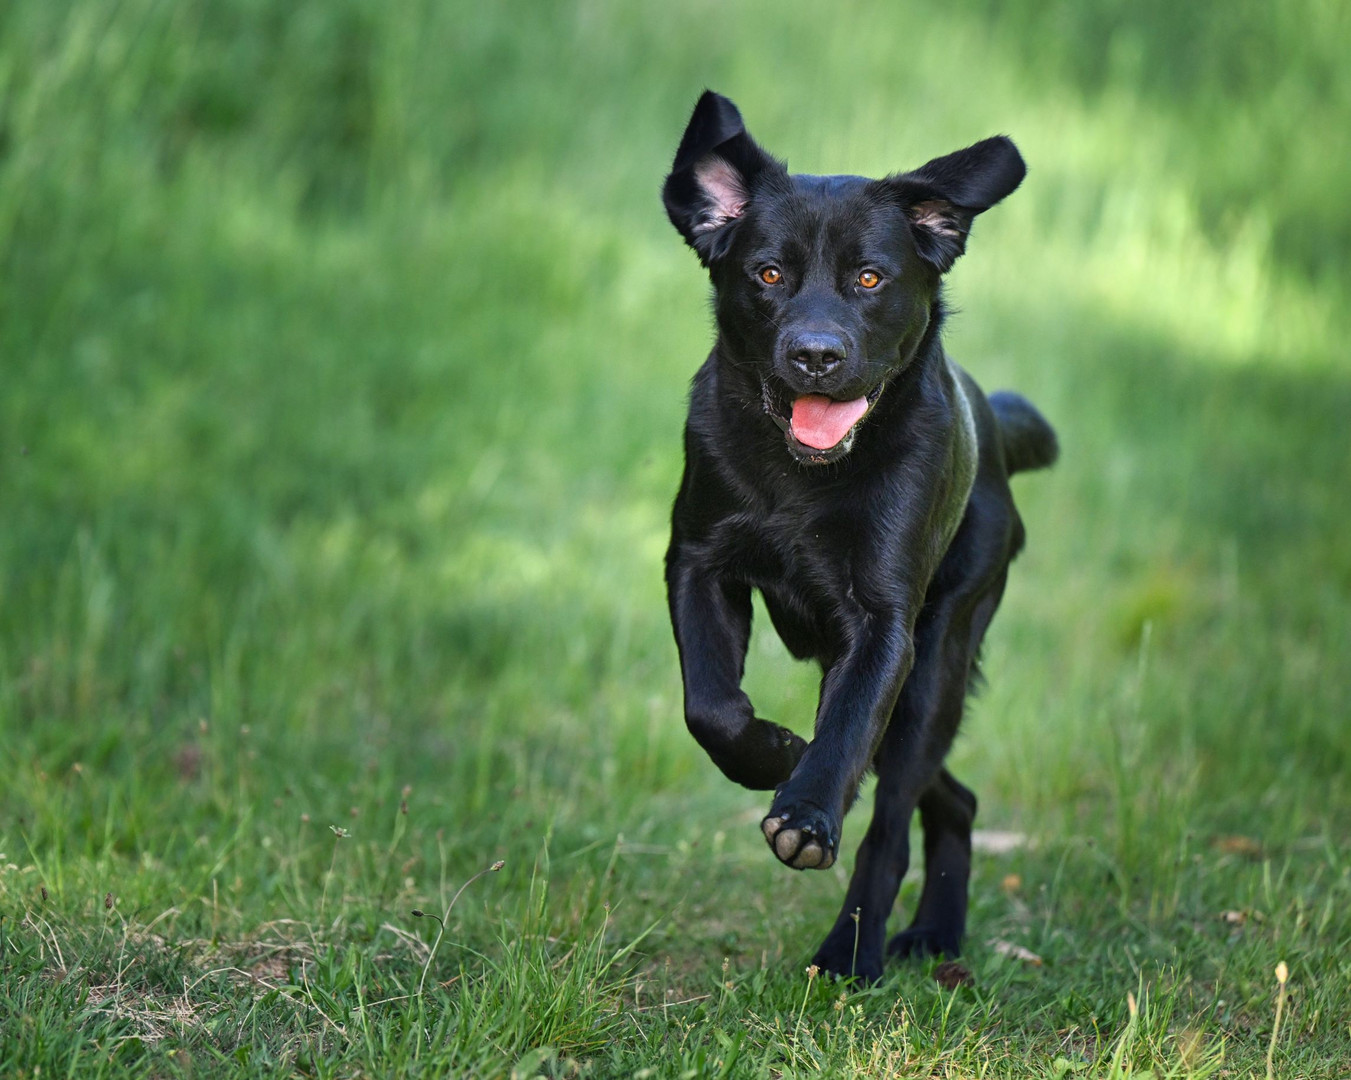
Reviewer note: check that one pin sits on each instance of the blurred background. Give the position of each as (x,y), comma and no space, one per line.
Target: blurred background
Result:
(343,355)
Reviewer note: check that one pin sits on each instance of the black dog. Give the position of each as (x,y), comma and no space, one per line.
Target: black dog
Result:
(839,462)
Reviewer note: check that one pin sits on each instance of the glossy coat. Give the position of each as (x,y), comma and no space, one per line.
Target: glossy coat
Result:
(882,558)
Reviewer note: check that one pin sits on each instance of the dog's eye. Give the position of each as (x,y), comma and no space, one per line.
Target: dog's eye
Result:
(870,279)
(771,275)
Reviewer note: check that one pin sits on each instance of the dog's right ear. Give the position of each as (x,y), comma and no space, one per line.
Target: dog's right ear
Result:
(714,176)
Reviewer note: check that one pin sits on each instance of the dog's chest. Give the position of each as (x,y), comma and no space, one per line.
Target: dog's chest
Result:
(794,556)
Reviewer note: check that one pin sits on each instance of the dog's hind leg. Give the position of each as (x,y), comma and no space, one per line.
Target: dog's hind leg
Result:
(946,811)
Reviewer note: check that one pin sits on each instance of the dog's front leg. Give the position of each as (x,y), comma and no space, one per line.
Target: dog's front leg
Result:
(712,622)
(857,697)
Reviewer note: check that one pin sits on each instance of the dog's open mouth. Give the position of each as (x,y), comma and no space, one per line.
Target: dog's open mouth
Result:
(819,429)
(821,422)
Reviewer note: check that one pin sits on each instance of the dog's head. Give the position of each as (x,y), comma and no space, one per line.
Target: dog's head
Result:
(825,285)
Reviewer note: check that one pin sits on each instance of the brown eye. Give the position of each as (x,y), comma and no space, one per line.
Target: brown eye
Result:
(869,279)
(771,275)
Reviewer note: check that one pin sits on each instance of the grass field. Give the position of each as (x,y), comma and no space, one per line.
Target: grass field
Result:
(343,350)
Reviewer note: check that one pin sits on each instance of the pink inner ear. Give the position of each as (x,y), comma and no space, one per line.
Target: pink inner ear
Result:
(936,217)
(725,189)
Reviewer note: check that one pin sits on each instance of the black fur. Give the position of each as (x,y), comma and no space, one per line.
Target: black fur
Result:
(883,556)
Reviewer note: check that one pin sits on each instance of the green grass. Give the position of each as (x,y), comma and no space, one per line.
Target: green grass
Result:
(343,349)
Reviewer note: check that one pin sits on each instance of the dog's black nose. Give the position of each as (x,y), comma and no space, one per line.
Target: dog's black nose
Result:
(817,355)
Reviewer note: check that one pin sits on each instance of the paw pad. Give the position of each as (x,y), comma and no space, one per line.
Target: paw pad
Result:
(801,848)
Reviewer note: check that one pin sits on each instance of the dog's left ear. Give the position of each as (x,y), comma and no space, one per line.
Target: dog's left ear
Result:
(714,176)
(942,197)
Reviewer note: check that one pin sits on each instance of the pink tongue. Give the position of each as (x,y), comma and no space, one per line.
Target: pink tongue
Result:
(820,423)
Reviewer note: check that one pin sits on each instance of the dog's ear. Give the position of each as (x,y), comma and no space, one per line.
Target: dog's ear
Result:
(714,176)
(942,197)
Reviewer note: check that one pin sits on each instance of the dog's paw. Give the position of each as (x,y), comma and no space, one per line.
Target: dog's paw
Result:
(843,960)
(804,837)
(761,756)
(919,942)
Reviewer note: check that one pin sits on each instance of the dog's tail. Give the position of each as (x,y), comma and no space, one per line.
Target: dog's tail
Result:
(1029,441)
